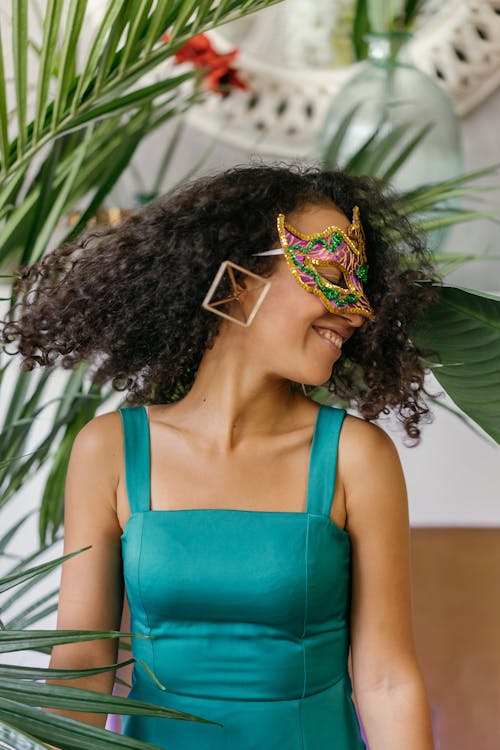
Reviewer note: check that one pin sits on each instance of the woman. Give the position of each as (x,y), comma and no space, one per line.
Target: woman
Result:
(258,534)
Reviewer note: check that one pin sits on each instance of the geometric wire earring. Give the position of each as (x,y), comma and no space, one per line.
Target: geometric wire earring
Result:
(213,299)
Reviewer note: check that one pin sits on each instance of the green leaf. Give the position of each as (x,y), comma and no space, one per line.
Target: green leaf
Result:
(13,579)
(82,90)
(185,11)
(456,217)
(10,533)
(4,135)
(123,104)
(67,733)
(459,415)
(464,329)
(74,21)
(38,673)
(405,153)
(29,640)
(32,612)
(113,10)
(137,25)
(356,163)
(330,149)
(45,181)
(50,35)
(73,413)
(61,201)
(12,738)
(383,147)
(30,693)
(411,10)
(361,28)
(109,53)
(20,54)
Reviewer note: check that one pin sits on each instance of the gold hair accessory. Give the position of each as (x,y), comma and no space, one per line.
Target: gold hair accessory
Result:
(219,286)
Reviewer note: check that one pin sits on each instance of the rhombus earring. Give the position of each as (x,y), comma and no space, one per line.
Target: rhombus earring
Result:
(216,296)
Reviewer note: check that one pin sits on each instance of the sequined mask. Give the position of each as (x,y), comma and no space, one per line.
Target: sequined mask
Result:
(331,264)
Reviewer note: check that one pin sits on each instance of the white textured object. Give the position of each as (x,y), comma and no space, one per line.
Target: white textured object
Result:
(458,46)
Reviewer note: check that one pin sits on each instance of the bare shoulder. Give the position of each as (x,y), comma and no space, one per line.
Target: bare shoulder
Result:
(101,431)
(368,434)
(371,471)
(97,457)
(101,440)
(364,443)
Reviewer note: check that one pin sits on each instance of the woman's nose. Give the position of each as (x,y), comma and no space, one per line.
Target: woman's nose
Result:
(355,319)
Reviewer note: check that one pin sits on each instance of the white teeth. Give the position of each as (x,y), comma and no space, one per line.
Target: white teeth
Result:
(326,333)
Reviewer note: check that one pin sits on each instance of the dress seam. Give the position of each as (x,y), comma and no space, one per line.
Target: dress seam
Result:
(306,603)
(139,589)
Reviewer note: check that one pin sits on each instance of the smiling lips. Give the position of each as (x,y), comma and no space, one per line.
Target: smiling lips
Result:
(329,336)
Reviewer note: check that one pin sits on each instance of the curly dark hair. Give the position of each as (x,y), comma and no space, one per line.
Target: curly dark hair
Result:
(109,298)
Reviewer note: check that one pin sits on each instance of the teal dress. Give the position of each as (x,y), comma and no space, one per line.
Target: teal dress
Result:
(249,611)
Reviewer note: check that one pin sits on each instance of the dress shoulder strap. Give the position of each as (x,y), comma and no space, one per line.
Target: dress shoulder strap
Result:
(323,468)
(137,456)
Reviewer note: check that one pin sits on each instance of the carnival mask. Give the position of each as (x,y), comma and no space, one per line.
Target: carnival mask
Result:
(331,264)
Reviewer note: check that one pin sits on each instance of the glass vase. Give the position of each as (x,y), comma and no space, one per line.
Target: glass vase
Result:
(392,121)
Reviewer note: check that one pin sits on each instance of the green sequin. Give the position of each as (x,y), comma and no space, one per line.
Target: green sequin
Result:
(329,293)
(362,272)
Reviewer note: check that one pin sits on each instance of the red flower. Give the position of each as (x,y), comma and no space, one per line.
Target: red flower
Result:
(220,77)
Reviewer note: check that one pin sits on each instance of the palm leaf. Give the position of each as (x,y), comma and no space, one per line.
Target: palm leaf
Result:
(13,579)
(9,533)
(38,673)
(32,612)
(20,55)
(415,141)
(12,738)
(411,10)
(69,734)
(50,34)
(33,640)
(104,75)
(74,21)
(361,27)
(4,135)
(31,693)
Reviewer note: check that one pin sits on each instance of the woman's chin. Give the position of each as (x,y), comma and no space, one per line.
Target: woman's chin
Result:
(315,380)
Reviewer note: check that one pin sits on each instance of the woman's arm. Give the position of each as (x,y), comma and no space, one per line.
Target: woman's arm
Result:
(91,589)
(387,681)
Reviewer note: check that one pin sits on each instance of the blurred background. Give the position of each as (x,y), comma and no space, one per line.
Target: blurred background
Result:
(101,110)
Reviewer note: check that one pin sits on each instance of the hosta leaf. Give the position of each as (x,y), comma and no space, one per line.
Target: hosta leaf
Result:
(464,328)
